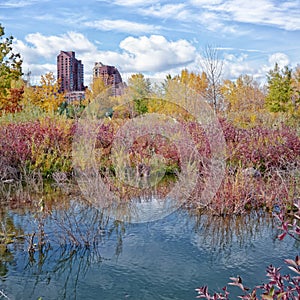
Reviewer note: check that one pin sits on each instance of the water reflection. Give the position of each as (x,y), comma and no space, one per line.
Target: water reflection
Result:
(220,232)
(64,265)
(85,255)
(6,258)
(60,245)
(10,236)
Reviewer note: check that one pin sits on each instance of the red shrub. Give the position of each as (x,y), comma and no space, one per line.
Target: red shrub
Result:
(24,143)
(262,148)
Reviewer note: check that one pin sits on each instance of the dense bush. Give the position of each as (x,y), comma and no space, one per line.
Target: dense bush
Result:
(262,169)
(43,145)
(261,148)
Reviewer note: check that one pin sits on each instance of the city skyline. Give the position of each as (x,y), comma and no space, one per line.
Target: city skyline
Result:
(155,38)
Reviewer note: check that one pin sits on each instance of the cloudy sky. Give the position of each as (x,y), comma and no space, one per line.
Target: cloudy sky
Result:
(155,37)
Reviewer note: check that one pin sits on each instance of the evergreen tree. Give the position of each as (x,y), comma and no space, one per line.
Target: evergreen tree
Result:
(279,97)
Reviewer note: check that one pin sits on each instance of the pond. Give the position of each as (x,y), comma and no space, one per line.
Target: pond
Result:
(87,256)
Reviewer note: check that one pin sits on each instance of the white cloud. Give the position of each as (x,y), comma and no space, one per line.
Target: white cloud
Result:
(155,53)
(285,15)
(183,12)
(280,58)
(234,68)
(39,52)
(211,21)
(205,2)
(236,65)
(176,11)
(239,49)
(134,3)
(233,65)
(122,26)
(19,3)
(144,54)
(36,70)
(65,18)
(39,46)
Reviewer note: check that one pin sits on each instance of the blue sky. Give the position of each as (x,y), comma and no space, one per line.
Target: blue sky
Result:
(156,37)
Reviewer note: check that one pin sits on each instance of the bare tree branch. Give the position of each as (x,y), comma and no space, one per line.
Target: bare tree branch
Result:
(212,65)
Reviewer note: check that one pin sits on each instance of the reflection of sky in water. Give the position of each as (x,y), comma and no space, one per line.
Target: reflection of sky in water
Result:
(151,209)
(166,259)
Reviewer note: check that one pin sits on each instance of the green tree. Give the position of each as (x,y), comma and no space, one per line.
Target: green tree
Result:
(10,73)
(280,90)
(139,88)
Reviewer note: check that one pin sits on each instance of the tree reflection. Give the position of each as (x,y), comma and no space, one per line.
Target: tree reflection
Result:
(74,239)
(220,233)
(61,236)
(6,257)
(65,264)
(9,234)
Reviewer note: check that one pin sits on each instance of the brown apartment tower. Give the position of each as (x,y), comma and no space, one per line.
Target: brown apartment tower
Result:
(69,72)
(110,76)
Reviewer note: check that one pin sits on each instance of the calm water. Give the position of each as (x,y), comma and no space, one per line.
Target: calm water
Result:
(166,259)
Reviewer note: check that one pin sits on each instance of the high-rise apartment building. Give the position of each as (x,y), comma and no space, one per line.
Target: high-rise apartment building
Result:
(110,76)
(69,72)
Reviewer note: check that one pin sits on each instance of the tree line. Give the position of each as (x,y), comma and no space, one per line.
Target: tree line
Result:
(243,99)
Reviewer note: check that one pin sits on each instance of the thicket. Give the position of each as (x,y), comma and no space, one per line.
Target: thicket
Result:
(260,125)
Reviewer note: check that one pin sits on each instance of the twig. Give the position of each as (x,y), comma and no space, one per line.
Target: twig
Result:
(31,244)
(2,294)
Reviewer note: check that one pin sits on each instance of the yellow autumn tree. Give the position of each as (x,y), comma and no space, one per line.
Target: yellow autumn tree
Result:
(45,96)
(244,94)
(187,85)
(296,92)
(49,96)
(31,97)
(97,87)
(243,99)
(197,82)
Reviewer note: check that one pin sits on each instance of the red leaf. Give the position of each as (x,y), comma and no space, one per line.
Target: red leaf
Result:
(281,236)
